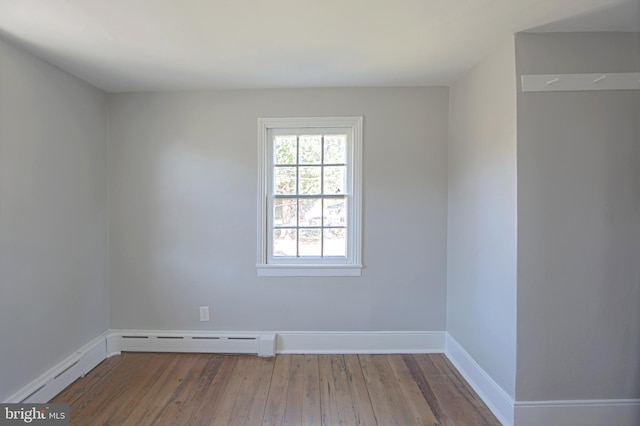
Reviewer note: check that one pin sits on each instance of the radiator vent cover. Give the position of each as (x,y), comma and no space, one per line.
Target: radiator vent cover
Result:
(262,344)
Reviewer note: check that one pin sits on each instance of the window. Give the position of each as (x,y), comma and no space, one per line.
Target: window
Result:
(309,220)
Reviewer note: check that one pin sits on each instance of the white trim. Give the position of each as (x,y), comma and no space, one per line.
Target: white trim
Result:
(57,378)
(496,398)
(622,412)
(619,412)
(356,198)
(269,343)
(598,412)
(580,82)
(190,341)
(360,342)
(112,340)
(309,270)
(354,126)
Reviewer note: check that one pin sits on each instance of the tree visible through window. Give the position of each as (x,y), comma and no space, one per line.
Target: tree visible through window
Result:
(310,211)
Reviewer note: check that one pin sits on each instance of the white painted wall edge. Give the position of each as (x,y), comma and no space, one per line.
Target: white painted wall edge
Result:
(496,398)
(57,378)
(359,342)
(620,412)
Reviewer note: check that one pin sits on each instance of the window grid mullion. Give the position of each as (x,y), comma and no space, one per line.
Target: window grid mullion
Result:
(297,194)
(322,196)
(310,227)
(322,199)
(328,165)
(303,196)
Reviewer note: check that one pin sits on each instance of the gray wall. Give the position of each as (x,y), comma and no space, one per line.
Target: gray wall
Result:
(53,235)
(578,223)
(481,253)
(183,212)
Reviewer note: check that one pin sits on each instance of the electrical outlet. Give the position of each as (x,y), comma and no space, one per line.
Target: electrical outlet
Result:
(204,313)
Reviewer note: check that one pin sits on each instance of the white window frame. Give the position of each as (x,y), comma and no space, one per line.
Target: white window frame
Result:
(268,265)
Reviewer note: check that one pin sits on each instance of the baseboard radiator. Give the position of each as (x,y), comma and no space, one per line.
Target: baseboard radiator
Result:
(54,380)
(261,344)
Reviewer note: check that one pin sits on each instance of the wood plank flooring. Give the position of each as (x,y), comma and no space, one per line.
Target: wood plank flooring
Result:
(212,389)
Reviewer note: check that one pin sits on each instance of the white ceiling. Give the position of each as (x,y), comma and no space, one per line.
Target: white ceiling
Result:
(141,45)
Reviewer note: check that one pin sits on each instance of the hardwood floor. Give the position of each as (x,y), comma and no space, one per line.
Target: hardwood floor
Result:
(213,389)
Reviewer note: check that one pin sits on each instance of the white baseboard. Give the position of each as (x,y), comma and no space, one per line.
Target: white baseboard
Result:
(52,382)
(498,401)
(114,342)
(269,343)
(624,412)
(378,342)
(618,412)
(608,412)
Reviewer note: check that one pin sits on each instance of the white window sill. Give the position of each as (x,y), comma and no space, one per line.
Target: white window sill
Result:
(309,270)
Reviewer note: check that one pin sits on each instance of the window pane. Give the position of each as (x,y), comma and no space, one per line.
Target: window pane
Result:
(285,181)
(310,212)
(335,212)
(284,242)
(334,179)
(335,242)
(309,181)
(310,244)
(285,149)
(285,212)
(335,148)
(310,149)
